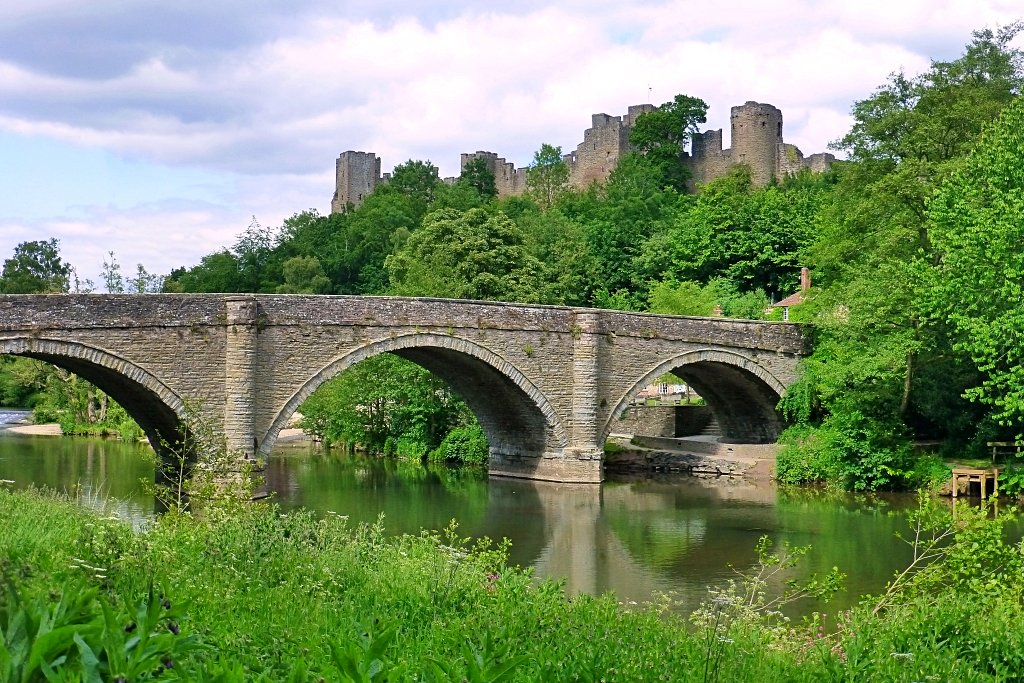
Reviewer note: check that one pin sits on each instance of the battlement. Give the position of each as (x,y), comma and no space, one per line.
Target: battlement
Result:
(508,179)
(756,138)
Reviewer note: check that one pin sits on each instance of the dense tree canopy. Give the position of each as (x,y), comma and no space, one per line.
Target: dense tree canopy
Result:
(661,136)
(885,369)
(977,228)
(471,255)
(477,175)
(36,267)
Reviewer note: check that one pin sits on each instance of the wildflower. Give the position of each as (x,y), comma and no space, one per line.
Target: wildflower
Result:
(173,627)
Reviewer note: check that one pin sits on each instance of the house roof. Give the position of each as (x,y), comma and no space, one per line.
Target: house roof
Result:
(791,300)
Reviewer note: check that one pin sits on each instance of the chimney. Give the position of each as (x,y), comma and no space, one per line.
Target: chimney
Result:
(805,280)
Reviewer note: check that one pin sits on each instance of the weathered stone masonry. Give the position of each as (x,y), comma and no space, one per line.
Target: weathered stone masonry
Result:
(546,383)
(756,134)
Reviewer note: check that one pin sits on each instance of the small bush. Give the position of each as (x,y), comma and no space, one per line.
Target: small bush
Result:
(465,445)
(848,451)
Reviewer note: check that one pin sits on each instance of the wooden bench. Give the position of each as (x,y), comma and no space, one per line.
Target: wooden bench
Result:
(972,474)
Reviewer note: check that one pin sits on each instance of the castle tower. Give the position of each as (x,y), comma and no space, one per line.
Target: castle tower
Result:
(756,139)
(357,174)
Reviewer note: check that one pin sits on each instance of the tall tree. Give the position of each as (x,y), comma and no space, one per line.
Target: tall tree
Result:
(113,280)
(660,137)
(417,181)
(36,267)
(548,175)
(977,228)
(466,255)
(881,371)
(254,253)
(478,176)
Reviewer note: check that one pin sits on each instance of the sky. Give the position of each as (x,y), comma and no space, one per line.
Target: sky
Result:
(159,130)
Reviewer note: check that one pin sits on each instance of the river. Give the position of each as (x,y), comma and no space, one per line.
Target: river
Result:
(638,536)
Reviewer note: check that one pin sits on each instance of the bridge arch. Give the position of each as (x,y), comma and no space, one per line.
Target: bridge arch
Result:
(159,411)
(514,413)
(740,392)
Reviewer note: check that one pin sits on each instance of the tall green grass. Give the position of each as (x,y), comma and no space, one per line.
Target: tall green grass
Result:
(246,592)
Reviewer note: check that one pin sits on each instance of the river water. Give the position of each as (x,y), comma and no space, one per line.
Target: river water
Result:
(638,536)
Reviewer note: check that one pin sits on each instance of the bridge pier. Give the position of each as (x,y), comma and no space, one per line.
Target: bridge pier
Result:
(569,465)
(580,462)
(240,376)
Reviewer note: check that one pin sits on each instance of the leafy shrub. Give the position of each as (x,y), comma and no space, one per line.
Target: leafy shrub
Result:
(849,451)
(466,445)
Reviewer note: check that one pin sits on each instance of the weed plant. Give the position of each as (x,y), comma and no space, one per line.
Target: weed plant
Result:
(246,592)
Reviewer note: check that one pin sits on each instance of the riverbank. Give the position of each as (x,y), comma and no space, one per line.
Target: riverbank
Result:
(53,429)
(693,455)
(246,593)
(33,430)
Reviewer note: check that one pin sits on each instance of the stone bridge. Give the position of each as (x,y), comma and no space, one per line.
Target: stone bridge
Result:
(547,383)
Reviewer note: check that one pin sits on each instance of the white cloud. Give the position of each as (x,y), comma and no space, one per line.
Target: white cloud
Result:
(273,98)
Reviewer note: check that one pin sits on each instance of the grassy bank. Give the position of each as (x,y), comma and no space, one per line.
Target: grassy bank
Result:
(248,593)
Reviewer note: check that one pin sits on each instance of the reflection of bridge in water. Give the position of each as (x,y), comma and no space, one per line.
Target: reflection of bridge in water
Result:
(597,535)
(545,382)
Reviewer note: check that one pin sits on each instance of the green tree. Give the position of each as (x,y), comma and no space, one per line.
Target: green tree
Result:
(36,268)
(304,275)
(617,221)
(660,137)
(548,175)
(751,236)
(569,270)
(691,298)
(254,254)
(111,274)
(977,228)
(415,180)
(386,405)
(478,176)
(681,298)
(216,272)
(881,371)
(466,255)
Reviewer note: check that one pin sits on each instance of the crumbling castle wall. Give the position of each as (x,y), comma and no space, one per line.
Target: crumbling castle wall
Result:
(604,143)
(756,136)
(756,142)
(508,179)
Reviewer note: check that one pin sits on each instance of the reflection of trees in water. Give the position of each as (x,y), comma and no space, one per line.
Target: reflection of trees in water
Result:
(410,496)
(854,532)
(106,473)
(636,536)
(515,513)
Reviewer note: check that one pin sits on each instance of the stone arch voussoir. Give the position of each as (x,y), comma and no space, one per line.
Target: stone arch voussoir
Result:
(732,358)
(58,348)
(415,340)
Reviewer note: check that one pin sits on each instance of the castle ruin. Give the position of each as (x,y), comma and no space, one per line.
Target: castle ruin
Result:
(756,134)
(357,174)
